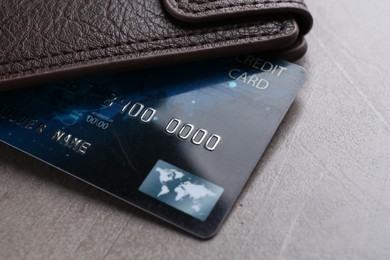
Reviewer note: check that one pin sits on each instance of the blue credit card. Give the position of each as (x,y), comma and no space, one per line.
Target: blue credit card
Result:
(179,142)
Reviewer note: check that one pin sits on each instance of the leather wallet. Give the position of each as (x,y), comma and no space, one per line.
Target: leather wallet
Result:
(47,40)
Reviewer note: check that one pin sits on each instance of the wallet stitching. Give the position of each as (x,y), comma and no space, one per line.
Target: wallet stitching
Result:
(197,2)
(152,40)
(184,9)
(282,27)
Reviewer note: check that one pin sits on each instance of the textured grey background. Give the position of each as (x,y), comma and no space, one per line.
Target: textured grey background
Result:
(322,190)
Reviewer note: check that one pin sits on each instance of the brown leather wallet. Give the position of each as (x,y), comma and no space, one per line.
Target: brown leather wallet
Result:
(45,40)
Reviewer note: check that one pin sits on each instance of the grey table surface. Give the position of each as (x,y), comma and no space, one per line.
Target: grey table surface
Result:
(321,191)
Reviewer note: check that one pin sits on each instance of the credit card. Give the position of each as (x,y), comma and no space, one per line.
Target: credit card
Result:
(179,142)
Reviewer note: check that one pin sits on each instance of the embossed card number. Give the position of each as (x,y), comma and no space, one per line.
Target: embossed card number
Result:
(186,131)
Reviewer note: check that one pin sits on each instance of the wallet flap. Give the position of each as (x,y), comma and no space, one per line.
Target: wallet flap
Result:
(43,41)
(198,11)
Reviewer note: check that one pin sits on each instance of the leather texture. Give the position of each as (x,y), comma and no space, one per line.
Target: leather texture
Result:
(46,40)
